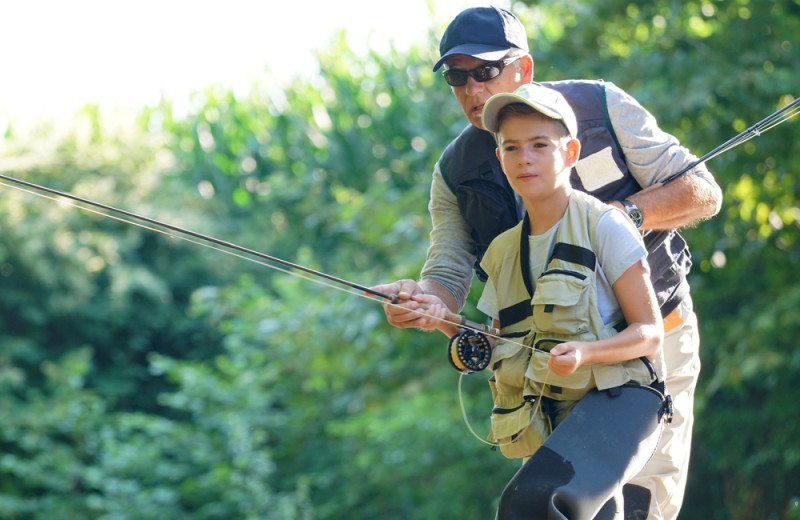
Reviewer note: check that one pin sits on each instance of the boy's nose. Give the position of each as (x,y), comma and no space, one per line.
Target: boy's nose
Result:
(527,155)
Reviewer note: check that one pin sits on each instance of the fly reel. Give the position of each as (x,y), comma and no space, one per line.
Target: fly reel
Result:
(469,351)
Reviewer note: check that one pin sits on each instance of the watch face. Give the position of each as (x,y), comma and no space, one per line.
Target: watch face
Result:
(634,213)
(637,217)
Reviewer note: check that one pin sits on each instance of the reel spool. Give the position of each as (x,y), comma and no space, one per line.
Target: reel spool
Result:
(469,351)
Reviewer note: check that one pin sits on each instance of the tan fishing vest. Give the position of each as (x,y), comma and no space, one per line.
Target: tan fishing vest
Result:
(563,307)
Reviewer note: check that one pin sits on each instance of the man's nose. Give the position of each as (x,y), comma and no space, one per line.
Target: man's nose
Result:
(474,85)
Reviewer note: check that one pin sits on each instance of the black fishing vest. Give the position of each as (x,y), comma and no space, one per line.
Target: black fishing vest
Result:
(471,169)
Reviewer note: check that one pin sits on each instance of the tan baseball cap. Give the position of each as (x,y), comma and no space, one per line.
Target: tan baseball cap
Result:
(542,99)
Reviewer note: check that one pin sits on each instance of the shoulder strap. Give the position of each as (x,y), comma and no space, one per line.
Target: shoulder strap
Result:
(610,126)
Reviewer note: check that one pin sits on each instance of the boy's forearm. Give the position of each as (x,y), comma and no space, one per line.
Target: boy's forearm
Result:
(637,340)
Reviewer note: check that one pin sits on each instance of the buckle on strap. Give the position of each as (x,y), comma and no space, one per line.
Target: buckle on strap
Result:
(677,296)
(668,410)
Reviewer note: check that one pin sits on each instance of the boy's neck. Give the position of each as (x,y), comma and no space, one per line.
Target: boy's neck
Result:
(544,214)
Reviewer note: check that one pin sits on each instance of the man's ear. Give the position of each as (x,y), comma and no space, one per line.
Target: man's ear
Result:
(527,69)
(573,152)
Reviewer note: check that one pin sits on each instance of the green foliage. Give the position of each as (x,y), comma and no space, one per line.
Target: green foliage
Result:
(145,377)
(368,420)
(114,289)
(314,165)
(68,456)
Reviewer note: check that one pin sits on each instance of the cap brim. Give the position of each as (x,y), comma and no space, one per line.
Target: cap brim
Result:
(498,101)
(482,52)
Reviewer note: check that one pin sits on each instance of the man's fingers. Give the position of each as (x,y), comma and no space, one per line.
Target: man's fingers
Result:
(388,288)
(402,289)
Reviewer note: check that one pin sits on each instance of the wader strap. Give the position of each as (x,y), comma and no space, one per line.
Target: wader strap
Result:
(650,369)
(675,299)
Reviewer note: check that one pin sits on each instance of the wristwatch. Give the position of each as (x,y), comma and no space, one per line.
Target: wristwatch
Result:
(634,213)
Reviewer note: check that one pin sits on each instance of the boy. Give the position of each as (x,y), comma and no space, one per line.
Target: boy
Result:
(569,289)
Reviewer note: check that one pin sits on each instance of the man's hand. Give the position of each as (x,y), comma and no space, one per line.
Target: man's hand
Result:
(409,311)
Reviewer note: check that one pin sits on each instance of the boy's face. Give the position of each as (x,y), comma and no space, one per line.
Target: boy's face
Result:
(535,156)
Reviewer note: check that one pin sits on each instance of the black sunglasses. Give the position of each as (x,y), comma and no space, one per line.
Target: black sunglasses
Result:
(458,78)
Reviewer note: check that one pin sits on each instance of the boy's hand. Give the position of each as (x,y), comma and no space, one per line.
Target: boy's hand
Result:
(565,358)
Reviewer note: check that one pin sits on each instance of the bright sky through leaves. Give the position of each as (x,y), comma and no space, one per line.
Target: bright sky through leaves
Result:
(57,56)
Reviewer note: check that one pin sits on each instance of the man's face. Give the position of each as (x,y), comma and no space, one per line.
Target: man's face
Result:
(474,94)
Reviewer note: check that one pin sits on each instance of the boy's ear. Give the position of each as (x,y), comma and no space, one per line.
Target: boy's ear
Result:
(573,152)
(497,153)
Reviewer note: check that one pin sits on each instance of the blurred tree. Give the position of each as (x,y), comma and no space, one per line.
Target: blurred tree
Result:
(145,377)
(74,279)
(85,301)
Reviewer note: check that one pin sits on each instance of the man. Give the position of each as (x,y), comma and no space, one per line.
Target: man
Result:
(484,51)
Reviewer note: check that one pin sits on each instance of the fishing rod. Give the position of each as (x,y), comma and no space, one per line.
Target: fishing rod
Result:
(450,317)
(200,236)
(468,351)
(757,129)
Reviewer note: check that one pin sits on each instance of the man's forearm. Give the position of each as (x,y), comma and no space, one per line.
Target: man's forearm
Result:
(680,203)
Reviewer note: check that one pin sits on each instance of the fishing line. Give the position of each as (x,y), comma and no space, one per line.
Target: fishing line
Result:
(217,245)
(766,124)
(230,249)
(187,239)
(536,408)
(205,238)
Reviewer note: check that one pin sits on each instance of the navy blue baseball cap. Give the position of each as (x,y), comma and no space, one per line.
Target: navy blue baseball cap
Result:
(486,33)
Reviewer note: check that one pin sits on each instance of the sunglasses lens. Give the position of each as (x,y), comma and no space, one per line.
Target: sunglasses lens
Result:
(455,78)
(486,73)
(458,78)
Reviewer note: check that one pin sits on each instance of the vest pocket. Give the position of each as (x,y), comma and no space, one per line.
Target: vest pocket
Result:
(519,431)
(561,302)
(516,429)
(509,375)
(542,381)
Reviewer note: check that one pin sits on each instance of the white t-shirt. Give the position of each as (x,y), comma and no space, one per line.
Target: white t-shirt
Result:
(618,246)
